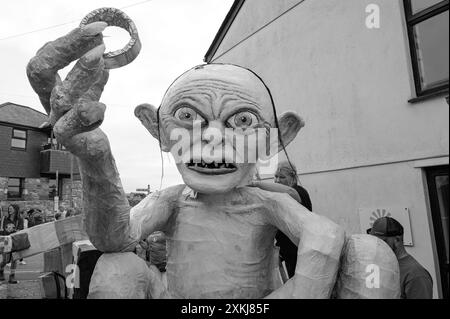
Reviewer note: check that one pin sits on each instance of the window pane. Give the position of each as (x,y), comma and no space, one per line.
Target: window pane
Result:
(13,193)
(19,133)
(14,187)
(431,38)
(14,182)
(419,5)
(18,143)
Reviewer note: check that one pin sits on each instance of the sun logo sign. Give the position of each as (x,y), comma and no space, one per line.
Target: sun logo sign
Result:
(378,213)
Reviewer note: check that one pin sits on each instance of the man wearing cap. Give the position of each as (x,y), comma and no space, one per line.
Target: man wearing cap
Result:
(415,281)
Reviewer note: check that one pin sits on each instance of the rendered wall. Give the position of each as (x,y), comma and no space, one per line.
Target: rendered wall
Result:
(339,195)
(351,84)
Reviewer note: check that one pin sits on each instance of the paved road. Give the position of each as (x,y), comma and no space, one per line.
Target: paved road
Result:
(27,275)
(32,270)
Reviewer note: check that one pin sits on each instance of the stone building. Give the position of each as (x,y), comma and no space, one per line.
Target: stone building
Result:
(35,171)
(371,80)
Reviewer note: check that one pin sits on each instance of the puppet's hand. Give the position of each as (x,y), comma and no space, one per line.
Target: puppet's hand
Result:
(75,115)
(276,188)
(72,104)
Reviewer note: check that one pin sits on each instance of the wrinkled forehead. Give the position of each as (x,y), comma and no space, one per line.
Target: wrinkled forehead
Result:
(220,82)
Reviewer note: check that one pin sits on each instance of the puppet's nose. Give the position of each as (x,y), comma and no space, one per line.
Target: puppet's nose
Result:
(214,133)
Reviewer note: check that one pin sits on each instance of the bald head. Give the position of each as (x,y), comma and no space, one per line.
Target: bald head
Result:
(220,86)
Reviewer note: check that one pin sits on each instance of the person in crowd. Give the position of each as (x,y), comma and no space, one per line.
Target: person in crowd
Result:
(286,174)
(286,181)
(62,211)
(274,187)
(8,225)
(30,217)
(35,217)
(70,212)
(24,217)
(415,280)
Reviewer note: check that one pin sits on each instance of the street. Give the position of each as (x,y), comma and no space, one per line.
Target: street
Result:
(28,286)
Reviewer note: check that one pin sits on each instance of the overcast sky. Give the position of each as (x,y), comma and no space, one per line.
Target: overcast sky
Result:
(175,35)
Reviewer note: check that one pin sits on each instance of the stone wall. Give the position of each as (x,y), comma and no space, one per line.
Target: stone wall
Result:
(72,191)
(3,186)
(36,194)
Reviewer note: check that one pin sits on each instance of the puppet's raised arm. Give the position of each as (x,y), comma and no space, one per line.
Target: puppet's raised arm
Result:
(320,242)
(75,114)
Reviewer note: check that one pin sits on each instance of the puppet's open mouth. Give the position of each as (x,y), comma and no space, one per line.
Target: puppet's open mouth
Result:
(213,168)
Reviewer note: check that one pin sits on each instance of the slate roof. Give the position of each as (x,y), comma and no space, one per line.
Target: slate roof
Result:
(21,115)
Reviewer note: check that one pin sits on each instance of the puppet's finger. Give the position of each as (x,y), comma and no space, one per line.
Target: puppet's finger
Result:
(95,91)
(86,72)
(84,117)
(55,55)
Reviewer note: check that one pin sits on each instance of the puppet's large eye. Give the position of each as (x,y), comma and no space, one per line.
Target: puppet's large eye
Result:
(186,114)
(243,120)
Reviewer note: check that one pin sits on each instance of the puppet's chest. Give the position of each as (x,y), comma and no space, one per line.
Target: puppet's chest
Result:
(220,250)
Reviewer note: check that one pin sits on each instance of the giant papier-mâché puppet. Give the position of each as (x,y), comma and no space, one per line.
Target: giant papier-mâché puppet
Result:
(220,232)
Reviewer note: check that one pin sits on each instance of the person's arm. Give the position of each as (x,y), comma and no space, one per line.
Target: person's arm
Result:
(277,188)
(320,243)
(420,287)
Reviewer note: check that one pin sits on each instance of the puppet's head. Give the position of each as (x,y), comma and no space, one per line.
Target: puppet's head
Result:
(214,119)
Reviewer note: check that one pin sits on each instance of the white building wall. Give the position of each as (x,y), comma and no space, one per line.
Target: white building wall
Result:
(340,194)
(351,84)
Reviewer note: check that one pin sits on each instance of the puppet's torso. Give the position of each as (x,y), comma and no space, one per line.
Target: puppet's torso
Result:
(221,248)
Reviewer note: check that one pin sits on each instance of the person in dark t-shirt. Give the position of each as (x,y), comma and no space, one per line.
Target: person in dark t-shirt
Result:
(415,280)
(286,174)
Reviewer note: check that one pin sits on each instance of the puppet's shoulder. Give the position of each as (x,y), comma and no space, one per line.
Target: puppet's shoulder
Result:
(164,197)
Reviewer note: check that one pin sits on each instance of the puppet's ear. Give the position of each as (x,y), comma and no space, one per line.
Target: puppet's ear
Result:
(289,124)
(148,115)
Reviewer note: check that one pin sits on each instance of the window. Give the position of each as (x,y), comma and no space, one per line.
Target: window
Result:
(19,139)
(428,33)
(15,187)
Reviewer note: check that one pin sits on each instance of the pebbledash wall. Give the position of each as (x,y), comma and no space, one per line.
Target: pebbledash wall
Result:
(364,145)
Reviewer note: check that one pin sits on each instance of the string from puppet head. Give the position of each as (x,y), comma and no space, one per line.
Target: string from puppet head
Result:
(160,149)
(276,118)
